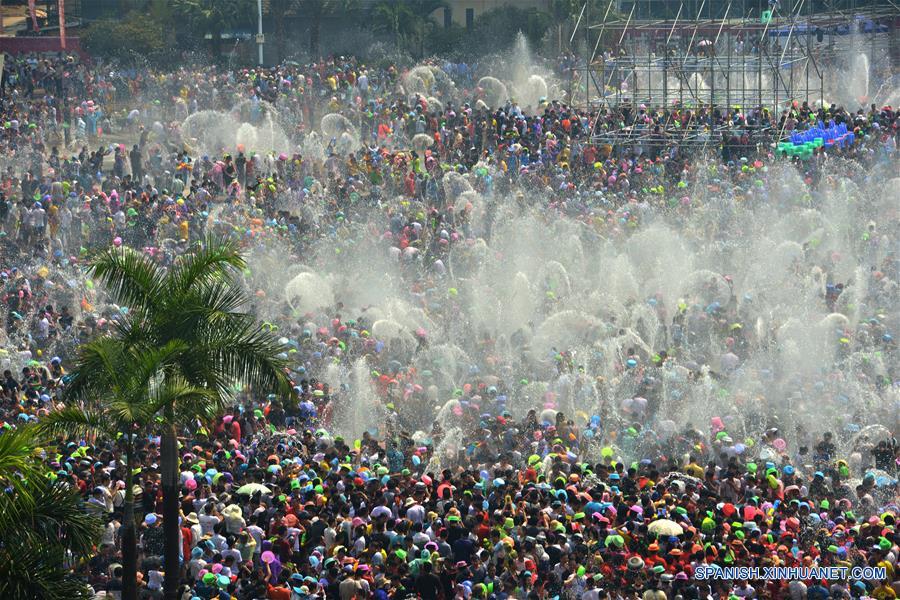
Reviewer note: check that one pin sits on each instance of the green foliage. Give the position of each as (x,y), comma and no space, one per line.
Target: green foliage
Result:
(214,16)
(136,38)
(43,525)
(493,32)
(496,30)
(186,341)
(409,23)
(191,319)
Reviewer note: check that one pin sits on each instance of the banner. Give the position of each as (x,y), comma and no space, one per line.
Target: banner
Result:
(33,10)
(62,23)
(2,26)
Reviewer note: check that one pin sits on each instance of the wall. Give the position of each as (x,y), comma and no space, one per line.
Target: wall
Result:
(24,45)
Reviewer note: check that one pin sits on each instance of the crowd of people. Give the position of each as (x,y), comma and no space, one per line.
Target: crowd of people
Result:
(579,495)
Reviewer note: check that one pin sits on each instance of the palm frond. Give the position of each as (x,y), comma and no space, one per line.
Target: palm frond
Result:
(97,369)
(29,572)
(188,401)
(216,298)
(59,514)
(131,278)
(246,353)
(41,531)
(17,463)
(215,258)
(76,421)
(145,362)
(171,391)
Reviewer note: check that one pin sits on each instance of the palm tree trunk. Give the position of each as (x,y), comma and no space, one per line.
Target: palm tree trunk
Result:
(171,528)
(129,533)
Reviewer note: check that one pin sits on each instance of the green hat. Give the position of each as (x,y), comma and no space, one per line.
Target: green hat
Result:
(453,518)
(209,578)
(401,554)
(509,523)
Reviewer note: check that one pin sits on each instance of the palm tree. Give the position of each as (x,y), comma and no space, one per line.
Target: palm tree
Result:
(43,526)
(423,24)
(311,12)
(214,17)
(123,391)
(393,17)
(195,309)
(407,20)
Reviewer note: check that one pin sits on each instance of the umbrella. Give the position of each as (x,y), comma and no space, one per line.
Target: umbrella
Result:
(251,488)
(665,528)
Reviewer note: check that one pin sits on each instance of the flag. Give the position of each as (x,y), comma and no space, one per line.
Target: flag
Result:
(33,11)
(62,23)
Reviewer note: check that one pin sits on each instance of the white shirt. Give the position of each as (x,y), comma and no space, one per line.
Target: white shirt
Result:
(416,513)
(207,522)
(196,534)
(257,535)
(36,217)
(196,565)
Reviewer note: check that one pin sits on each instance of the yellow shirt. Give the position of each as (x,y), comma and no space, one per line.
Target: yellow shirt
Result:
(884,592)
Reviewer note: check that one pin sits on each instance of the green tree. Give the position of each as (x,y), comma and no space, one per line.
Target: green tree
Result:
(121,391)
(395,18)
(214,17)
(310,12)
(43,526)
(198,307)
(407,21)
(496,30)
(423,24)
(134,38)
(565,14)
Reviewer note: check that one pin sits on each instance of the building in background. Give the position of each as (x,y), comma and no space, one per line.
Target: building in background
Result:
(465,12)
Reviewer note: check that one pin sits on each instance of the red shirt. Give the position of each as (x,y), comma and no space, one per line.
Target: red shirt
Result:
(186,539)
(278,593)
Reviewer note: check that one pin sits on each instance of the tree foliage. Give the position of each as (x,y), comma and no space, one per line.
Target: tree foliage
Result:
(43,526)
(193,316)
(134,39)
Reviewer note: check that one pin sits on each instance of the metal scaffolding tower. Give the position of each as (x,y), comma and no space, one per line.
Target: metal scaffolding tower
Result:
(745,53)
